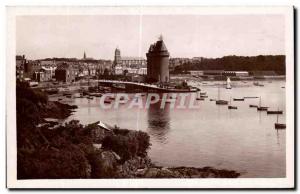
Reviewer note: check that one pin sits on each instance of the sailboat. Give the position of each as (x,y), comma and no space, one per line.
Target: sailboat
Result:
(220,102)
(279,125)
(231,107)
(199,97)
(261,108)
(228,86)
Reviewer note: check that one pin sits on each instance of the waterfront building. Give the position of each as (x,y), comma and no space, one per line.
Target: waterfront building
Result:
(158,62)
(20,62)
(49,65)
(43,75)
(122,65)
(30,67)
(65,72)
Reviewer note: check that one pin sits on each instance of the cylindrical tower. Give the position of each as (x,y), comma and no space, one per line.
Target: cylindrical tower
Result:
(117,58)
(158,63)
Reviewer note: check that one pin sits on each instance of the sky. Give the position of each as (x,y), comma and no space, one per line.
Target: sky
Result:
(209,36)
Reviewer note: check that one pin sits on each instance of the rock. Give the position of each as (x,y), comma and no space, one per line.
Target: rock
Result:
(151,173)
(141,172)
(165,173)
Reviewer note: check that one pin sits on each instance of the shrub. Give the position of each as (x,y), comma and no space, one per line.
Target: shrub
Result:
(127,146)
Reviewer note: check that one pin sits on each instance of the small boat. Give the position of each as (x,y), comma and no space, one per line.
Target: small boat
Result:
(203,96)
(199,97)
(212,99)
(251,97)
(261,108)
(202,93)
(230,106)
(220,102)
(283,87)
(279,125)
(253,106)
(274,112)
(258,84)
(228,86)
(238,99)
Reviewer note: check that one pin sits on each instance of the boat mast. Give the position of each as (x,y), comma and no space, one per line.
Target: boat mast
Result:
(277,115)
(260,101)
(218,92)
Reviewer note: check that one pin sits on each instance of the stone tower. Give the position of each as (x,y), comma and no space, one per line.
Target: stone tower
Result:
(158,62)
(117,58)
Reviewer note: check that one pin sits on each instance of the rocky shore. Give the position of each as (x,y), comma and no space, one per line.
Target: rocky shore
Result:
(48,150)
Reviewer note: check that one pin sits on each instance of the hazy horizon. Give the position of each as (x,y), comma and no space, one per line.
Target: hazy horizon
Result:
(187,36)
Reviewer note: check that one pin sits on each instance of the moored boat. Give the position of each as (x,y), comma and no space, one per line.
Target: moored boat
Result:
(279,125)
(230,106)
(251,97)
(253,106)
(258,84)
(274,112)
(261,108)
(221,102)
(238,99)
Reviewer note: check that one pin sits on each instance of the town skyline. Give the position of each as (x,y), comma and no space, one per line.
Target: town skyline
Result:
(205,36)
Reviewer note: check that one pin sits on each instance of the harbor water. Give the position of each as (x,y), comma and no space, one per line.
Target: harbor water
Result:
(244,140)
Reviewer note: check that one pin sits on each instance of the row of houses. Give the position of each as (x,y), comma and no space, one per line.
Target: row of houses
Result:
(66,70)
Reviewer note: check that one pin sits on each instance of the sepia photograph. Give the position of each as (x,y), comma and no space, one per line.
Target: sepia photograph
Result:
(150,97)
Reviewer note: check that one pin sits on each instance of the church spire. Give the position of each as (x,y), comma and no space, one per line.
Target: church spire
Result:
(84,55)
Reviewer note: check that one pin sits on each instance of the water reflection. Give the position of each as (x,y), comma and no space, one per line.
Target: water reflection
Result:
(158,122)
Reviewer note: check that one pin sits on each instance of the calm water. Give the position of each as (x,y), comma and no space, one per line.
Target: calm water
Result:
(243,140)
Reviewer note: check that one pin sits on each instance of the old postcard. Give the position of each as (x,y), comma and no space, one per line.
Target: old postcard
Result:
(150,97)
